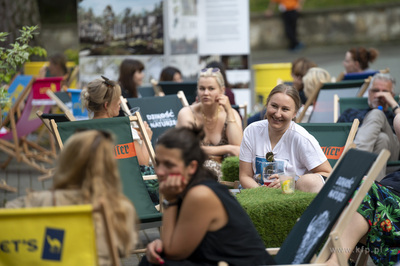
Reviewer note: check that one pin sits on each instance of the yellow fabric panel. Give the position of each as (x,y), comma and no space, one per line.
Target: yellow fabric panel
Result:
(48,236)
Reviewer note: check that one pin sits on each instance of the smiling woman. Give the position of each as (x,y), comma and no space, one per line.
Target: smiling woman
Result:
(291,144)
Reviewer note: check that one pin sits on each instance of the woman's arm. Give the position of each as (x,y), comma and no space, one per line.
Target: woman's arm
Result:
(222,150)
(201,211)
(246,175)
(234,131)
(324,169)
(185,117)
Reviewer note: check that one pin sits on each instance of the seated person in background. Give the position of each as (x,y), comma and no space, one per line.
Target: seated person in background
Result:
(102,99)
(130,77)
(376,126)
(213,112)
(57,67)
(291,144)
(170,73)
(222,68)
(312,81)
(203,223)
(87,173)
(300,66)
(357,59)
(377,219)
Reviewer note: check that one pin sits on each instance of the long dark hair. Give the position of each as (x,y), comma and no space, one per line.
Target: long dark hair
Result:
(126,70)
(187,140)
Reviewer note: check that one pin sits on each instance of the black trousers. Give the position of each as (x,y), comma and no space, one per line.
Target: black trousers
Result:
(290,24)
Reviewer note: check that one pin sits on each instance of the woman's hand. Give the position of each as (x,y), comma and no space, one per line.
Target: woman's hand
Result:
(223,100)
(172,186)
(275,183)
(153,252)
(148,130)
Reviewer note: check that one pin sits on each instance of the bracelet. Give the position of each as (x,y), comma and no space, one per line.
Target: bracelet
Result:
(231,121)
(395,108)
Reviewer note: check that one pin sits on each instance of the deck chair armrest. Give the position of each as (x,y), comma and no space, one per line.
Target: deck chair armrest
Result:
(149,177)
(272,251)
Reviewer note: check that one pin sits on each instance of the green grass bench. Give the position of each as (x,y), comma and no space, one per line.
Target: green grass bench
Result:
(272,212)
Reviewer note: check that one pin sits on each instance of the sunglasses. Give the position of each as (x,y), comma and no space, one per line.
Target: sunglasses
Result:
(213,70)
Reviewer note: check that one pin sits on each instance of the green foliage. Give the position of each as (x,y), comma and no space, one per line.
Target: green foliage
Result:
(72,55)
(230,169)
(261,5)
(273,213)
(12,58)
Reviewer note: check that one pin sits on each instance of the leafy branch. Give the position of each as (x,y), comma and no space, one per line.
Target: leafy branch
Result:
(11,59)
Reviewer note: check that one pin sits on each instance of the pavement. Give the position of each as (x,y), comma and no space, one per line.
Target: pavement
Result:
(25,178)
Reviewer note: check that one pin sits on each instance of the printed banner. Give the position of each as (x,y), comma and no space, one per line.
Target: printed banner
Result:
(48,236)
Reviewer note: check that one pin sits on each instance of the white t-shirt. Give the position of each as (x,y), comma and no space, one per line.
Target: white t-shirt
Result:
(299,151)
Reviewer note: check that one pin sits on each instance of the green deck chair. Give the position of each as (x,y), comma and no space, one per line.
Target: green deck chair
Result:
(132,181)
(334,138)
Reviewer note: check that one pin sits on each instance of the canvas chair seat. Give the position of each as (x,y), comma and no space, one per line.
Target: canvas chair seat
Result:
(62,235)
(322,99)
(132,181)
(334,138)
(15,142)
(330,208)
(161,113)
(188,87)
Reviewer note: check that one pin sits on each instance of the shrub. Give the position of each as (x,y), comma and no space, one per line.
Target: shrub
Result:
(230,169)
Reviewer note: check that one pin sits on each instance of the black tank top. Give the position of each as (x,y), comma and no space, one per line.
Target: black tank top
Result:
(238,242)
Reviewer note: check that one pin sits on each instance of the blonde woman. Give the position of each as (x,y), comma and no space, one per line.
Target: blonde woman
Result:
(222,124)
(86,173)
(313,80)
(102,99)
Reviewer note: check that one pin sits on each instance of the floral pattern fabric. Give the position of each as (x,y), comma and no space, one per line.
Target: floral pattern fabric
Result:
(381,209)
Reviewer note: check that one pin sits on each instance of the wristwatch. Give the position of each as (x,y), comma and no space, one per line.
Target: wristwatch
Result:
(166,204)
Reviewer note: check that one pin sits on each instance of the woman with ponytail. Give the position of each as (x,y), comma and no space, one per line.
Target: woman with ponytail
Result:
(202,222)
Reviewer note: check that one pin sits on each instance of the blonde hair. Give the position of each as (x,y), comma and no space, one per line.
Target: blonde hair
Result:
(87,163)
(98,92)
(213,72)
(314,78)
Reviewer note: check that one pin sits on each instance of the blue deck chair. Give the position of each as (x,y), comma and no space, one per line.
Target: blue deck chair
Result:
(330,211)
(131,177)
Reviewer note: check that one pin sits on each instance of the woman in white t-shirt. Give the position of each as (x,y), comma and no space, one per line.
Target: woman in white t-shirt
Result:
(290,143)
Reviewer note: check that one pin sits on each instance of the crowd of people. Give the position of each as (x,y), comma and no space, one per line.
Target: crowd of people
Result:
(203,223)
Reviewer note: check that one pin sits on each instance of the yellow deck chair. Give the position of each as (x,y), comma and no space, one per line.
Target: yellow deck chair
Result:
(45,236)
